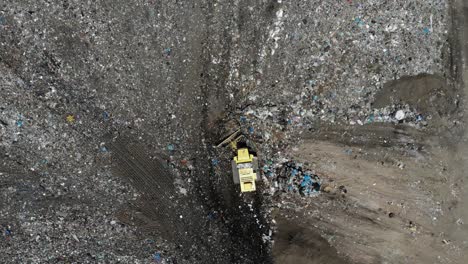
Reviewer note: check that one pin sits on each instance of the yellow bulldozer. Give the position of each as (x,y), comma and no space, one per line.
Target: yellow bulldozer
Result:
(244,163)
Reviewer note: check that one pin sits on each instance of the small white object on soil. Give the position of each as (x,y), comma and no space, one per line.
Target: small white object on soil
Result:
(400,115)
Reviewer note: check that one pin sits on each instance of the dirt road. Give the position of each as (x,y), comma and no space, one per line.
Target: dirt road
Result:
(460,156)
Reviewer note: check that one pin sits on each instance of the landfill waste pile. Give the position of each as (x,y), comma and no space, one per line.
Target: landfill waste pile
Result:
(334,74)
(110,112)
(305,183)
(339,68)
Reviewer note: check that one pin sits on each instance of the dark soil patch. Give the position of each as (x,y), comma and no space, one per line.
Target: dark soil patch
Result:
(429,94)
(299,244)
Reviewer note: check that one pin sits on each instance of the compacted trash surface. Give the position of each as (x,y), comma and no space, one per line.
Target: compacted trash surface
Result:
(111,113)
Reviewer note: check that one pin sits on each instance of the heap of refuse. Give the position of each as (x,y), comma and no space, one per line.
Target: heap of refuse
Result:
(293,178)
(329,69)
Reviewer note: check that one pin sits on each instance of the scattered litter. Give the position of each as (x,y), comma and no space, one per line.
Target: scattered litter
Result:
(401,165)
(419,118)
(343,189)
(327,189)
(293,178)
(338,65)
(400,115)
(157,257)
(7,232)
(19,123)
(70,118)
(359,21)
(182,191)
(105,116)
(212,215)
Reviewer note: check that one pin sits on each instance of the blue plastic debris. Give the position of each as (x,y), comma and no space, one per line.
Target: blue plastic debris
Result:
(306,181)
(214,162)
(105,116)
(298,180)
(315,98)
(212,215)
(370,119)
(157,257)
(243,119)
(150,241)
(251,130)
(359,21)
(309,185)
(2,20)
(170,147)
(294,172)
(19,123)
(426,30)
(167,51)
(7,232)
(419,118)
(103,149)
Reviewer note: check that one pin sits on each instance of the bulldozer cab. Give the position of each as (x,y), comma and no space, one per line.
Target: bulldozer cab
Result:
(243,156)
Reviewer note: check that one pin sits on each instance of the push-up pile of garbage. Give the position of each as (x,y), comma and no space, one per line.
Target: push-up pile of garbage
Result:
(292,177)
